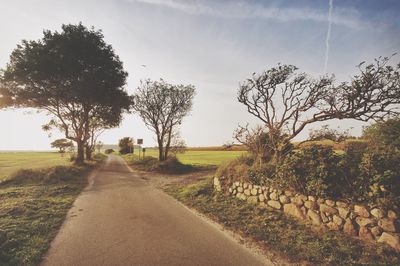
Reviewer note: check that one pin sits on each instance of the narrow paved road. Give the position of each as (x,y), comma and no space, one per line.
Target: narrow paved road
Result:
(122,220)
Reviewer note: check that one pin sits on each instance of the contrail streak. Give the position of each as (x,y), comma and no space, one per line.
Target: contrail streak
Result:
(328,36)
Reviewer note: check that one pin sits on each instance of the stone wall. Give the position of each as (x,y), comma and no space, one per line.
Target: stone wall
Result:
(369,224)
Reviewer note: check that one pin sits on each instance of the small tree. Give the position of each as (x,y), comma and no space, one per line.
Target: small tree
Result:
(162,107)
(125,145)
(62,144)
(286,101)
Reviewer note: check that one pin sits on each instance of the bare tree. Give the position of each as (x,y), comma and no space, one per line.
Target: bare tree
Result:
(162,107)
(286,101)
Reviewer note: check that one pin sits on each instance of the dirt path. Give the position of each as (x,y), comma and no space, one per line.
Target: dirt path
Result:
(122,219)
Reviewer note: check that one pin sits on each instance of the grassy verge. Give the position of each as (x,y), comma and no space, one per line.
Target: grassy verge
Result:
(33,205)
(279,233)
(170,166)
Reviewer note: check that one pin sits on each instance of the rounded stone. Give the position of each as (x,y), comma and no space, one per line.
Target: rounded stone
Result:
(392,215)
(274,204)
(274,196)
(377,213)
(337,220)
(388,225)
(284,199)
(311,198)
(376,231)
(330,203)
(261,198)
(361,211)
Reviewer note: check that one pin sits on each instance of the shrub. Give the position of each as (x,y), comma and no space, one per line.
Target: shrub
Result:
(170,166)
(312,170)
(99,156)
(384,134)
(235,170)
(108,151)
(380,172)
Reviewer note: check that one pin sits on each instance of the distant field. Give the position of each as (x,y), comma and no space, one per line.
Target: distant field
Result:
(11,162)
(202,157)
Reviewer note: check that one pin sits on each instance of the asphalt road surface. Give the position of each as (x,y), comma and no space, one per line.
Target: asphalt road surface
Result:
(120,219)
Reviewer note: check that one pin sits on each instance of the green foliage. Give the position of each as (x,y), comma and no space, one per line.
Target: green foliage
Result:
(381,175)
(384,134)
(312,170)
(125,145)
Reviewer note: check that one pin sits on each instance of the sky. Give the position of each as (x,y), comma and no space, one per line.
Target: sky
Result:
(212,44)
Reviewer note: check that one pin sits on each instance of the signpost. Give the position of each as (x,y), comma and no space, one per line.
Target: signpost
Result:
(140,142)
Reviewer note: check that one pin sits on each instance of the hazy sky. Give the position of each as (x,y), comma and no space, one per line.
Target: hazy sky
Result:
(211,44)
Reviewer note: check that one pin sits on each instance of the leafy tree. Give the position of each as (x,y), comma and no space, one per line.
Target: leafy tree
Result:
(125,145)
(62,144)
(162,107)
(74,76)
(287,101)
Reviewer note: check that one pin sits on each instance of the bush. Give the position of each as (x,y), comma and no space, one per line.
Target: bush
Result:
(98,156)
(380,182)
(236,170)
(170,166)
(312,171)
(108,151)
(384,134)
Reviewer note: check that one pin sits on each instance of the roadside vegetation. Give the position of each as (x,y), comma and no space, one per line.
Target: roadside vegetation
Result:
(279,233)
(33,205)
(364,170)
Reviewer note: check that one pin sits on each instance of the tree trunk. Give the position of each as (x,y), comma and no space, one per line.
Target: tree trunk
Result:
(161,153)
(80,156)
(88,151)
(168,144)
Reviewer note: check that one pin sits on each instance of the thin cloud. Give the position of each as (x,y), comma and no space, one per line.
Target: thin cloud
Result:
(243,10)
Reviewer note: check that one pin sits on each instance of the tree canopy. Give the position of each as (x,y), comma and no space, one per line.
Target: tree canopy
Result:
(74,76)
(162,106)
(62,144)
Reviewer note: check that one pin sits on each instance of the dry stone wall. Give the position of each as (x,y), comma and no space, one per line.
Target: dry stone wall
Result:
(369,224)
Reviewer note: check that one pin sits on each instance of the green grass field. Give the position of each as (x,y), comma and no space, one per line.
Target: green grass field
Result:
(201,157)
(10,162)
